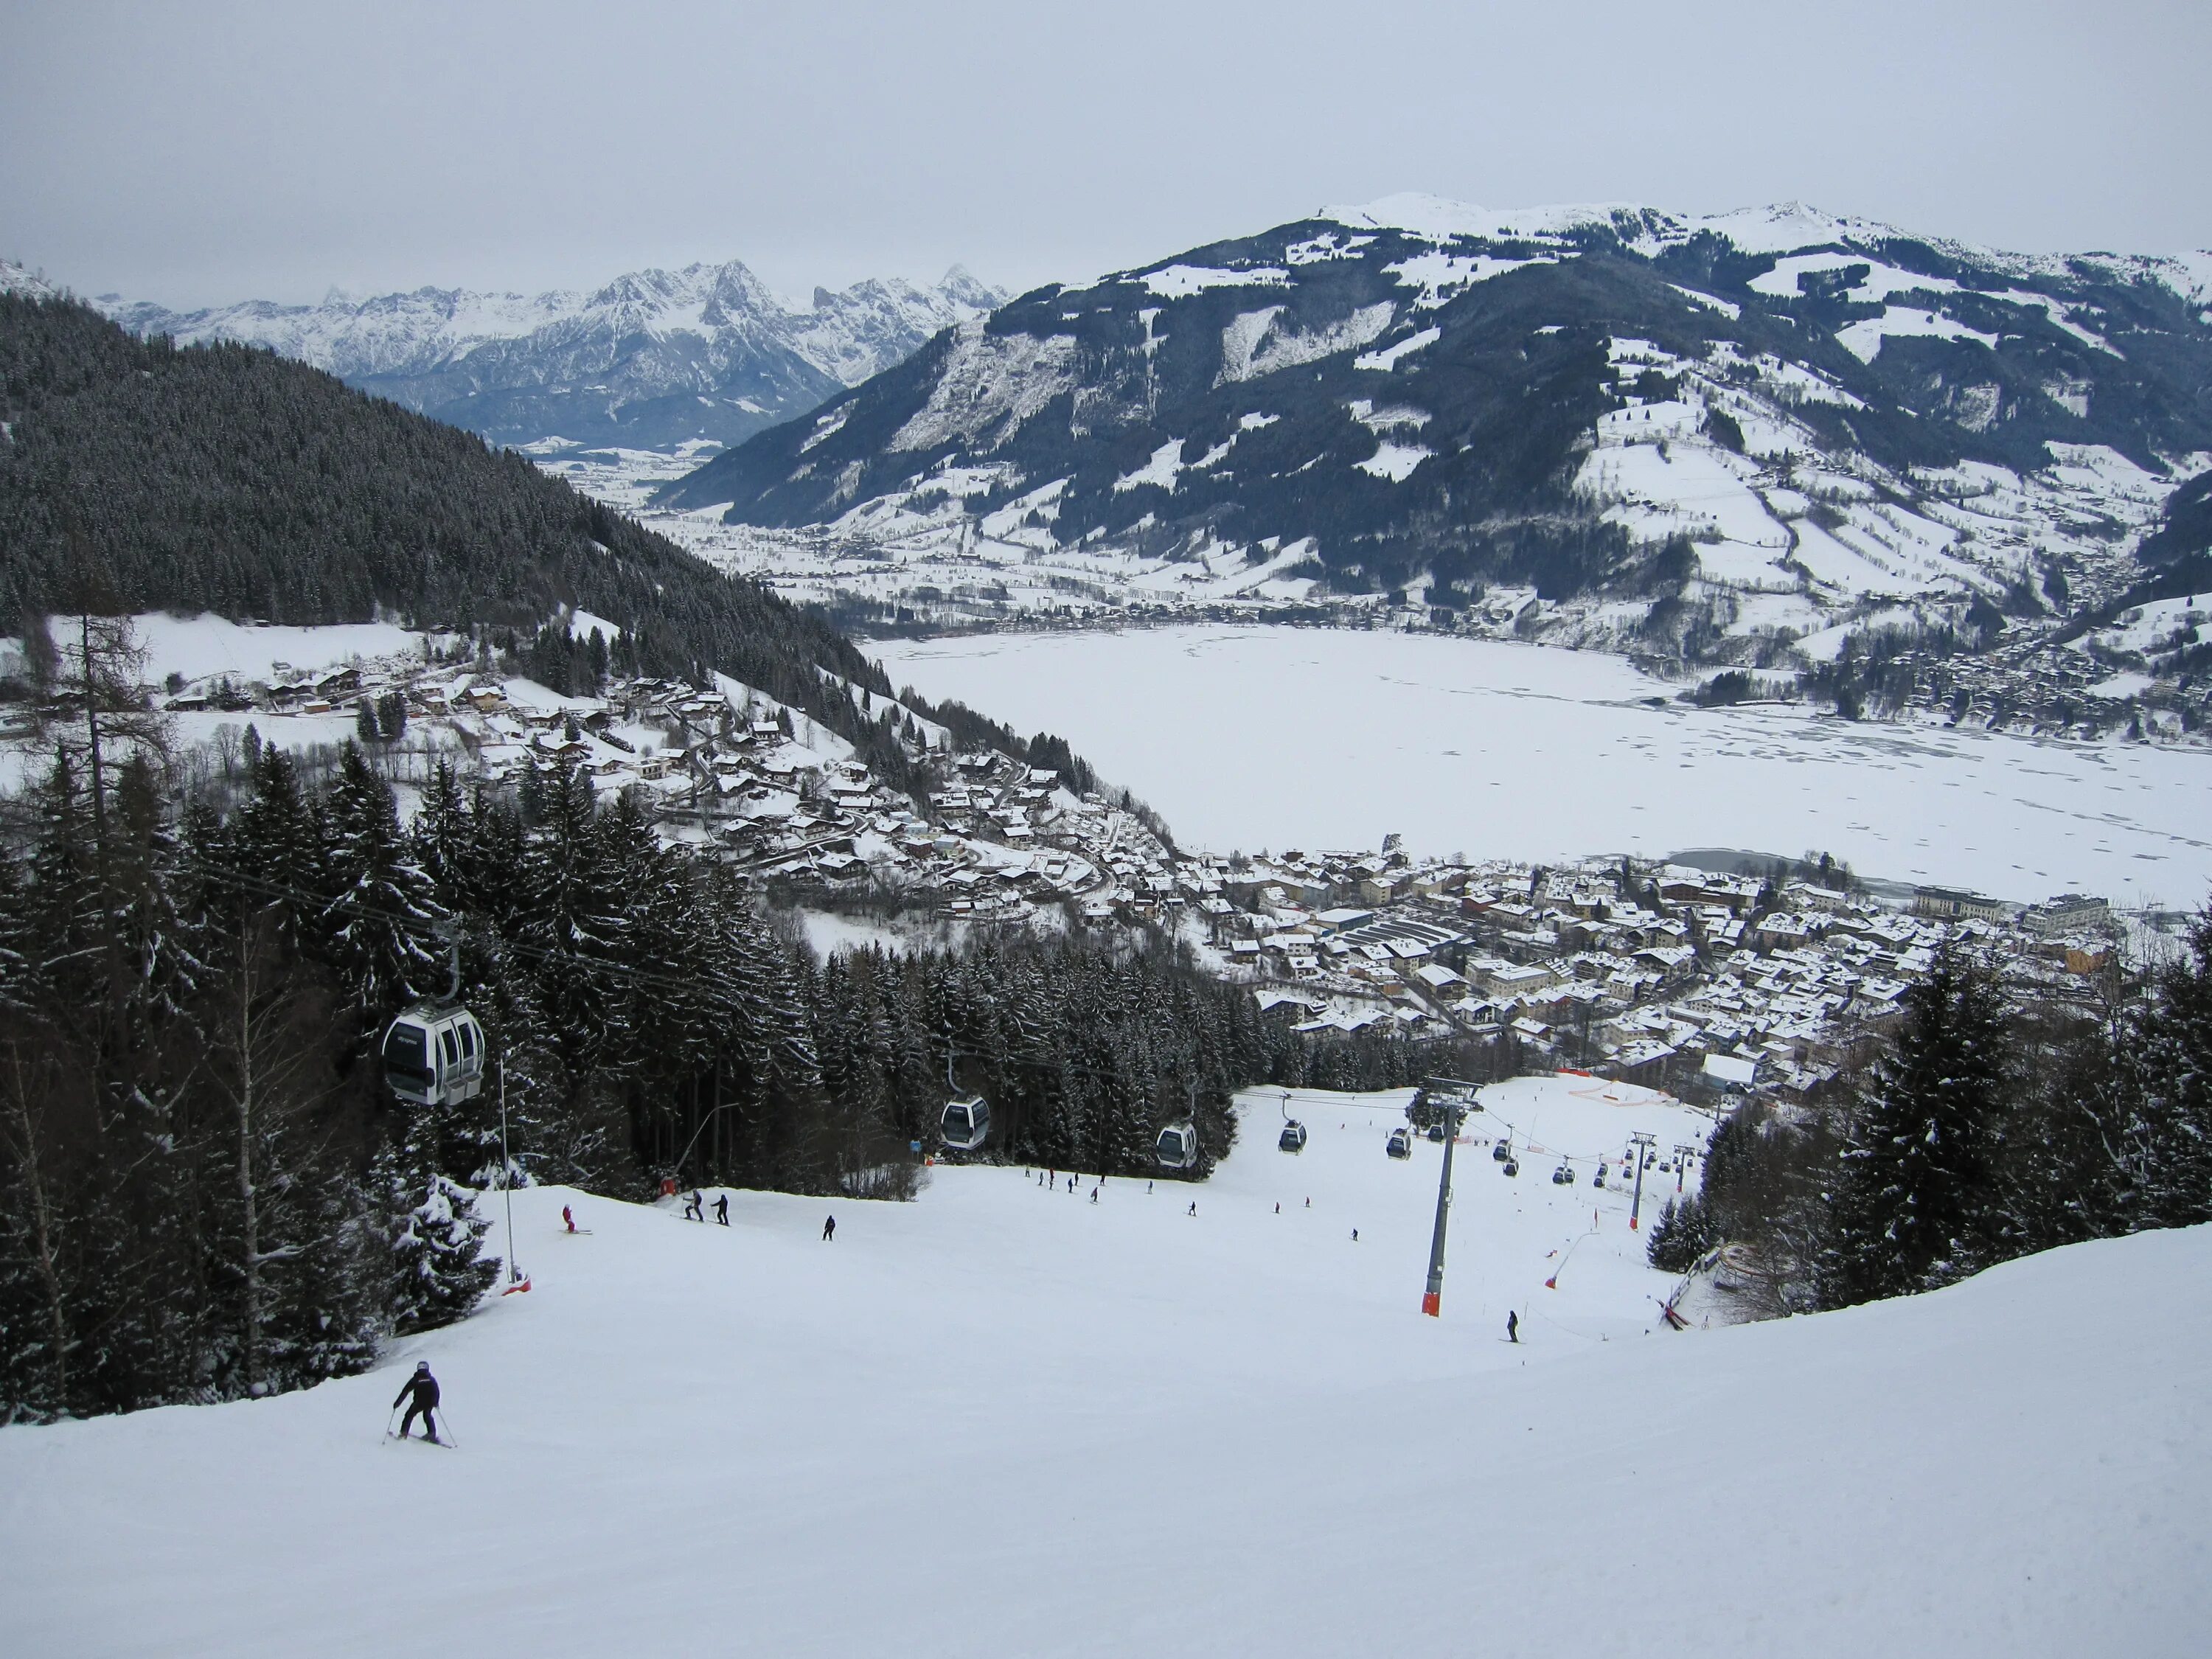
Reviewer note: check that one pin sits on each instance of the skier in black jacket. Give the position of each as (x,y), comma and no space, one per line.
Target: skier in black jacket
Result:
(421,1392)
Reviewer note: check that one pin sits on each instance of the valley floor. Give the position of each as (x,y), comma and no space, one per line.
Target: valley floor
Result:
(1253,737)
(1006,1421)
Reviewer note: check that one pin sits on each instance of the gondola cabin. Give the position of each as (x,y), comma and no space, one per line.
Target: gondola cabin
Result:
(435,1057)
(1293,1138)
(1400,1144)
(966,1124)
(1176,1148)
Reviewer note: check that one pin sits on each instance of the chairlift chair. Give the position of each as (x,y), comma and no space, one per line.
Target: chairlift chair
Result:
(434,1056)
(966,1124)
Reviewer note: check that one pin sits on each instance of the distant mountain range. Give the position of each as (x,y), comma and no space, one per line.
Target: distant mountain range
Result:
(653,360)
(1721,434)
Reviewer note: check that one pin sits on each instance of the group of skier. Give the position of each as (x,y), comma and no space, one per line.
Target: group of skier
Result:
(694,1208)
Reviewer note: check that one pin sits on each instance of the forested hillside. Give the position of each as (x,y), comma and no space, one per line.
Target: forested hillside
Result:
(141,476)
(206,1190)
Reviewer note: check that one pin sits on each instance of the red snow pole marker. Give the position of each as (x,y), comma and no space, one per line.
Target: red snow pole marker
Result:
(518,1285)
(1432,1304)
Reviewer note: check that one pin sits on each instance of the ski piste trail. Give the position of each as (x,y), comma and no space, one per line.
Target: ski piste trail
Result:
(1004,1420)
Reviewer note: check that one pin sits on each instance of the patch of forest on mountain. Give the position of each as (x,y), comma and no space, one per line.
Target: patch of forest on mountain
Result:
(206,1190)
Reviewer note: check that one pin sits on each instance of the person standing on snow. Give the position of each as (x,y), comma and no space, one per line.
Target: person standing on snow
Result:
(1512,1325)
(829,1228)
(421,1392)
(694,1208)
(567,1218)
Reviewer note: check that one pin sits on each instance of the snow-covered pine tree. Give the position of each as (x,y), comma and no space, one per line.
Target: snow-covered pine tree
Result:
(1679,1237)
(381,910)
(2166,1138)
(438,1268)
(1913,1195)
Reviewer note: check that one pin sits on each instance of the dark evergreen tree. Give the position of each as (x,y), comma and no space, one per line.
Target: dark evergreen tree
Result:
(380,912)
(2164,1140)
(439,1269)
(1679,1237)
(1912,1197)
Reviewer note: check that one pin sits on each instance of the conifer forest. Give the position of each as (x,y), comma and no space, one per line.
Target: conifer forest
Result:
(206,1190)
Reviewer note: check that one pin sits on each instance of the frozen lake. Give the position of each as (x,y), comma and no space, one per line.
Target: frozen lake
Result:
(1251,738)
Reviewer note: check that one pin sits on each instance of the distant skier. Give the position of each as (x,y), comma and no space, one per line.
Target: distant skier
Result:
(1094,1194)
(421,1392)
(567,1218)
(1310,1204)
(1355,1235)
(694,1208)
(829,1228)
(1278,1209)
(1512,1325)
(722,1209)
(1071,1183)
(1194,1206)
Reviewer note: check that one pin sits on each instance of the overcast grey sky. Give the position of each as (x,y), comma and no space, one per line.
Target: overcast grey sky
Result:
(193,153)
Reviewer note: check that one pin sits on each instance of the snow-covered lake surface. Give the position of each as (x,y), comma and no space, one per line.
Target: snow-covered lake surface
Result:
(1274,736)
(1004,1420)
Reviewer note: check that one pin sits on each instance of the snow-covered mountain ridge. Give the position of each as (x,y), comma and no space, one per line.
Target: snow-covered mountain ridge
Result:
(652,359)
(1737,437)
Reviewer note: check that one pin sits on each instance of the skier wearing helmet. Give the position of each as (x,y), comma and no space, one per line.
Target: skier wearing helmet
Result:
(421,1392)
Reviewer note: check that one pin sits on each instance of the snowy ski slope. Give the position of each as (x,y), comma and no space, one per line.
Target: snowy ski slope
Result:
(1007,1421)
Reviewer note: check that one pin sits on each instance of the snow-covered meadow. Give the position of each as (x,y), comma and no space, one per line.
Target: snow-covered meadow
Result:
(1251,736)
(1003,1419)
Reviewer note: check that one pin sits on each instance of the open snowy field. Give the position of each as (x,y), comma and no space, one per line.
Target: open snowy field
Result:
(1004,1420)
(1252,737)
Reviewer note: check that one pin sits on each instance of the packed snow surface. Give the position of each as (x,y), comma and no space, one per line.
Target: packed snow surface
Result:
(197,646)
(1006,1420)
(1251,736)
